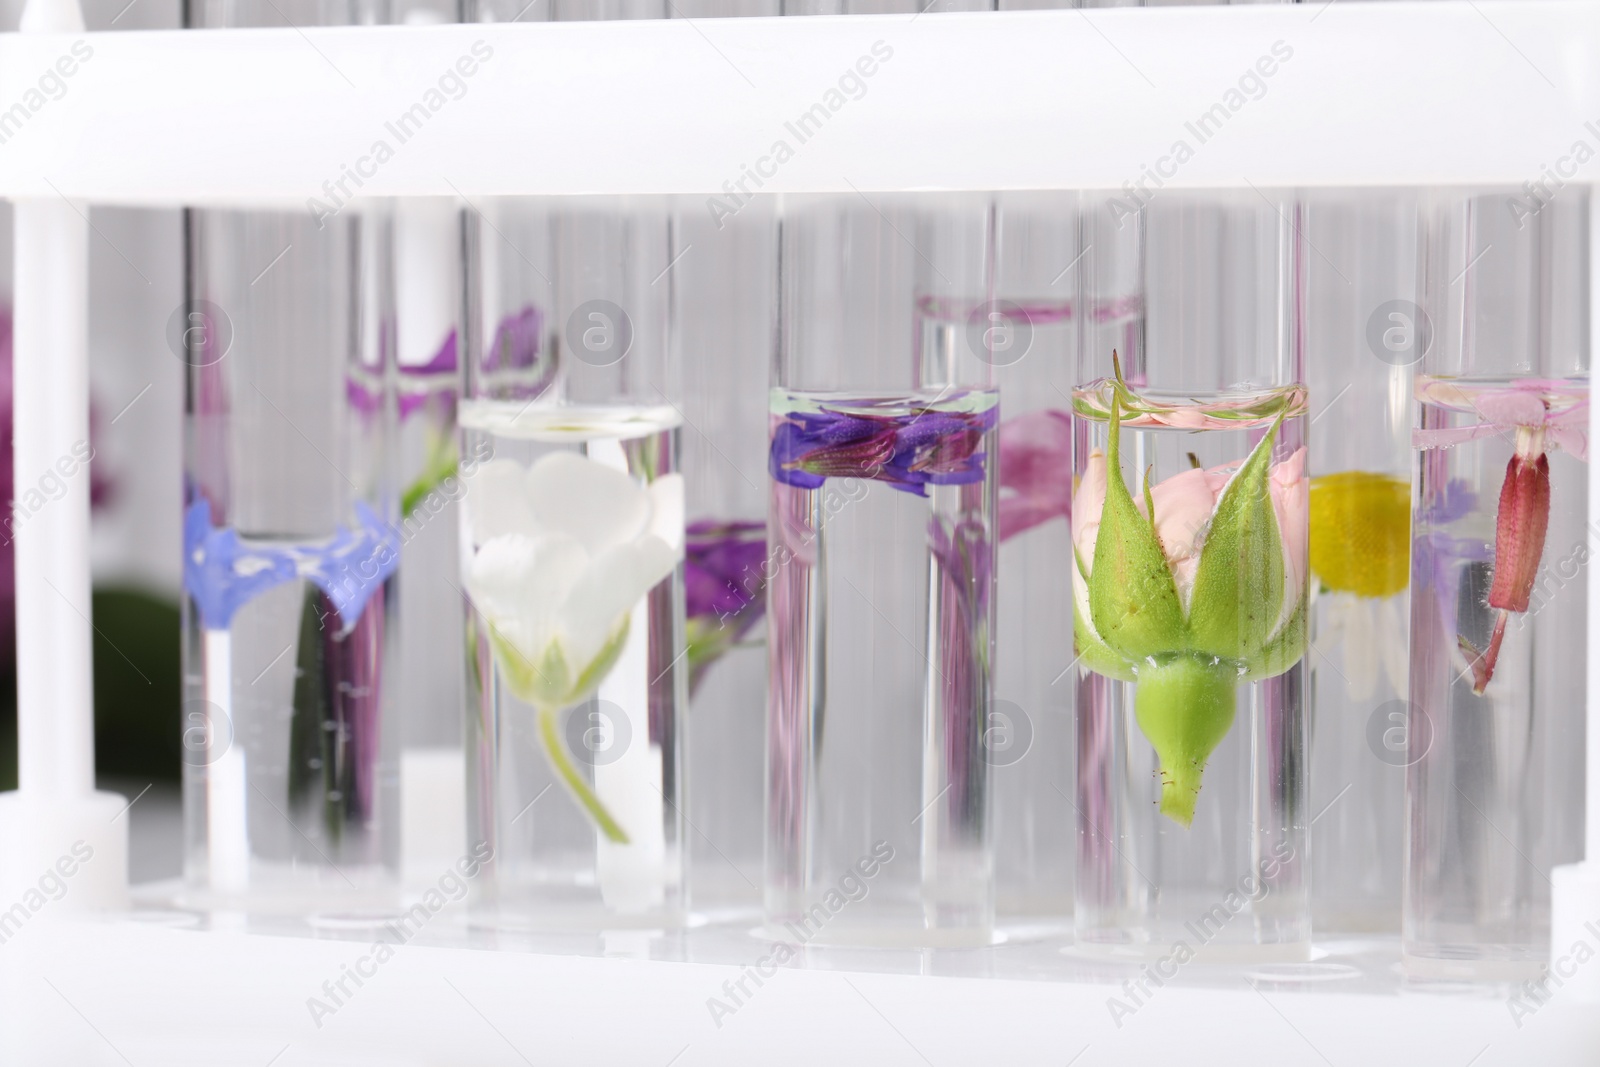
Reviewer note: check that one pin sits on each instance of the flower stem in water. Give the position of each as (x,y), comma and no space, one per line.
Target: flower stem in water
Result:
(555,749)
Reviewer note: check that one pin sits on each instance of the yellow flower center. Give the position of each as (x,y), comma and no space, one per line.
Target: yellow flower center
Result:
(1360,527)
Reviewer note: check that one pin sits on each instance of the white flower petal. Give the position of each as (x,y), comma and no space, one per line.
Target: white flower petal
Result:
(666,510)
(496,502)
(597,504)
(1361,653)
(1347,631)
(521,585)
(497,569)
(1394,638)
(618,579)
(654,560)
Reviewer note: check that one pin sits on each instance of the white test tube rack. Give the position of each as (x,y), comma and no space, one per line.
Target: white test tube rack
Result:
(1453,109)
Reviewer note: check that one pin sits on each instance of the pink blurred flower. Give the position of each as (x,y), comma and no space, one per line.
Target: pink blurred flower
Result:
(1035,475)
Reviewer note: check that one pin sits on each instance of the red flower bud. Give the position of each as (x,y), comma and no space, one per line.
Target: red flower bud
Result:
(1519,531)
(1518,546)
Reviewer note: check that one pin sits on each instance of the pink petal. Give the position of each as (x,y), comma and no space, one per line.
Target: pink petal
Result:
(1511,407)
(1185,418)
(1019,514)
(1183,512)
(1217,477)
(1087,504)
(1543,385)
(1034,467)
(1032,448)
(1574,442)
(1184,505)
(1576,415)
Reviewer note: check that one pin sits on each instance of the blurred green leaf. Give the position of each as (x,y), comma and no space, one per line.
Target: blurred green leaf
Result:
(137,685)
(137,689)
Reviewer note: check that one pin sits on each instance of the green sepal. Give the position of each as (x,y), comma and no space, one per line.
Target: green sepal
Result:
(591,677)
(1284,651)
(542,684)
(1185,705)
(1093,653)
(1133,602)
(550,683)
(1150,511)
(706,639)
(1238,585)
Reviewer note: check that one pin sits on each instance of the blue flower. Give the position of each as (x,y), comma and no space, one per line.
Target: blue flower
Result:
(222,573)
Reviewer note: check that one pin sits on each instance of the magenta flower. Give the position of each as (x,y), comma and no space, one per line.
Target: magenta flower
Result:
(1035,470)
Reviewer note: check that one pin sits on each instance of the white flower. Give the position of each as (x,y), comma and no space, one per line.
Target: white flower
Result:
(1369,636)
(562,552)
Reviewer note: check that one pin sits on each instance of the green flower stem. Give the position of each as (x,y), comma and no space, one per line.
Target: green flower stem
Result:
(1185,706)
(555,749)
(441,464)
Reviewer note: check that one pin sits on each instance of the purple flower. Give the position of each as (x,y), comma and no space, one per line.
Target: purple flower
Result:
(964,555)
(362,398)
(443,361)
(516,346)
(724,586)
(722,568)
(1436,556)
(517,341)
(966,560)
(926,446)
(420,384)
(517,364)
